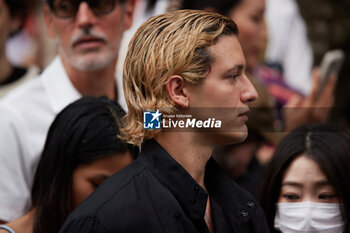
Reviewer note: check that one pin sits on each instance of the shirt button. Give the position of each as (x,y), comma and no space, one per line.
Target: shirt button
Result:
(196,189)
(244,213)
(250,204)
(193,201)
(177,216)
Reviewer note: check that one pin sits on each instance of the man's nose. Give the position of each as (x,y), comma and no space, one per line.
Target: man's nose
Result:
(249,93)
(85,17)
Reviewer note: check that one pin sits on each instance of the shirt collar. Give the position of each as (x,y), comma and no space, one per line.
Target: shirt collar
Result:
(191,196)
(59,88)
(233,199)
(62,92)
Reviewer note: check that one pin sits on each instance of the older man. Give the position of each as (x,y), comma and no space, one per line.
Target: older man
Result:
(187,92)
(88,34)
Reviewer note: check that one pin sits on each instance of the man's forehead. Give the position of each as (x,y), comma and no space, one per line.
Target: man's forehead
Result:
(228,53)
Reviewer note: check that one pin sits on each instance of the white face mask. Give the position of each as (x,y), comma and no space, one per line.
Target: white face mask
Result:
(303,217)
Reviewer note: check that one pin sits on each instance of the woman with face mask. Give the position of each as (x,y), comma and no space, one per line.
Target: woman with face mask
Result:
(306,187)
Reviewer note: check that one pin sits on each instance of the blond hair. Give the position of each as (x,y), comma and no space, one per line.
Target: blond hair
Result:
(174,43)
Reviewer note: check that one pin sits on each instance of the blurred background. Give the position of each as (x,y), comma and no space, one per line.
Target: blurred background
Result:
(321,25)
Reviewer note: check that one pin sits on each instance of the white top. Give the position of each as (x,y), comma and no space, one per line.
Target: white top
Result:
(25,117)
(288,43)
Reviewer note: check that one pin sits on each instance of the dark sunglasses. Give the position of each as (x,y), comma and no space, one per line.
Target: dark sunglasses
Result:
(69,8)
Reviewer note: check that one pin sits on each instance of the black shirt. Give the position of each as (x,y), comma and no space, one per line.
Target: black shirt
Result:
(156,194)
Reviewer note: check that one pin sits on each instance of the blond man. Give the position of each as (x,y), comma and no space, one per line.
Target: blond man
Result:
(178,61)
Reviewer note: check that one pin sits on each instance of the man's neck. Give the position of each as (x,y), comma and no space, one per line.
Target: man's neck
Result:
(94,83)
(189,152)
(6,68)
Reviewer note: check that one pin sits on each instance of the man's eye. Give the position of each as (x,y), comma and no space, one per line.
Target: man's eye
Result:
(234,76)
(291,197)
(65,6)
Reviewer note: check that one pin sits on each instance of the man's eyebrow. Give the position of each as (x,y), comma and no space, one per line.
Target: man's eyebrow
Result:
(236,68)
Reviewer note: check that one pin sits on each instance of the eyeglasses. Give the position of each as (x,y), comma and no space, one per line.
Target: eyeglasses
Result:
(69,8)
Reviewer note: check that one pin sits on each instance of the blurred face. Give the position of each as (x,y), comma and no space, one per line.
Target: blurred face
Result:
(87,177)
(305,182)
(225,87)
(88,40)
(249,17)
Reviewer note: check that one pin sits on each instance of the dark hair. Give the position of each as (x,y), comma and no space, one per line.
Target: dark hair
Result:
(328,146)
(20,9)
(85,131)
(220,6)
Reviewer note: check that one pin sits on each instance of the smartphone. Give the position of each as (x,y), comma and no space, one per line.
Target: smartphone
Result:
(331,63)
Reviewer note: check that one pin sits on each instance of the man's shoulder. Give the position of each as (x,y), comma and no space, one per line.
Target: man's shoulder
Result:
(24,92)
(32,99)
(26,105)
(36,86)
(23,100)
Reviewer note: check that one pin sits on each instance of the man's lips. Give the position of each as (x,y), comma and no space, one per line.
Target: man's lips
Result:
(244,115)
(88,42)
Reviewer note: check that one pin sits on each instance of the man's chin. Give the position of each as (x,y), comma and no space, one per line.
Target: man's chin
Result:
(90,63)
(238,137)
(228,138)
(88,60)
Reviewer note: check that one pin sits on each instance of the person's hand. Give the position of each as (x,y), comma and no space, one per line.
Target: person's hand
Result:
(311,109)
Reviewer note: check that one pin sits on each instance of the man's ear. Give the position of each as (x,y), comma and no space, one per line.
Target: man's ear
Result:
(48,21)
(177,92)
